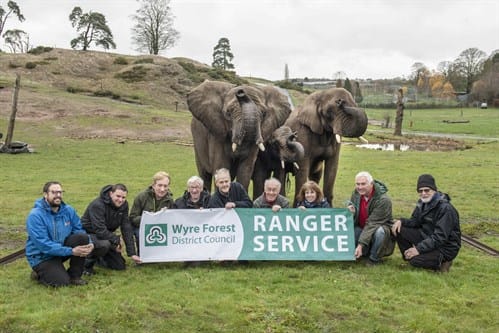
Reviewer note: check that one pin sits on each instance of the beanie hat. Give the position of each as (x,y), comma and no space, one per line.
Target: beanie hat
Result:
(426,180)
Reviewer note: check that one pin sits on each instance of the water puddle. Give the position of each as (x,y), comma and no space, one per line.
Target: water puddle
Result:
(412,146)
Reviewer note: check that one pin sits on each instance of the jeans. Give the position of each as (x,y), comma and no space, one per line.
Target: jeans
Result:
(376,241)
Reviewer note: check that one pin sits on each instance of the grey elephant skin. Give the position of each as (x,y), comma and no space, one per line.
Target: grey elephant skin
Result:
(319,123)
(231,124)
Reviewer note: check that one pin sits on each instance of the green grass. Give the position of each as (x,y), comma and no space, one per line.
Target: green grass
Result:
(482,122)
(264,296)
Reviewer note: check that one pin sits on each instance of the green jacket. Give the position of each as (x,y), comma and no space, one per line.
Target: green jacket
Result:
(146,201)
(379,214)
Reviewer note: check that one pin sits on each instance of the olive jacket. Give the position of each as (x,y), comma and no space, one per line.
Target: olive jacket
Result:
(379,215)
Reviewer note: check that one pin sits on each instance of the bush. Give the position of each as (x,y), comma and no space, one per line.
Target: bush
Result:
(136,74)
(30,65)
(120,61)
(144,61)
(40,50)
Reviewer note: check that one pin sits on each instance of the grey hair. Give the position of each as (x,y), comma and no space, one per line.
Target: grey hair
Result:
(195,180)
(222,171)
(365,174)
(272,179)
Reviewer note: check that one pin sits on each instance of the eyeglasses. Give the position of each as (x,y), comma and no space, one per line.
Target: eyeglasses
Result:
(57,192)
(425,190)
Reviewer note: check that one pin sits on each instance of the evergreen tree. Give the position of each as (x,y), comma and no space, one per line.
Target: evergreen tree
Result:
(93,27)
(348,85)
(222,55)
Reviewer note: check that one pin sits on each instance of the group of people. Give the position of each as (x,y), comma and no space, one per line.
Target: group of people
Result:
(430,238)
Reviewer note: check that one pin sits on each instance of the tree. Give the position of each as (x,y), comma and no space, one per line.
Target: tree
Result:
(400,113)
(222,56)
(358,94)
(469,65)
(12,8)
(17,41)
(93,27)
(348,85)
(153,31)
(286,72)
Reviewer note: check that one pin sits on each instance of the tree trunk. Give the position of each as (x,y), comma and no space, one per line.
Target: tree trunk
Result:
(12,120)
(400,113)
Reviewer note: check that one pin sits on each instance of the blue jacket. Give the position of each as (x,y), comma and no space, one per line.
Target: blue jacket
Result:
(47,231)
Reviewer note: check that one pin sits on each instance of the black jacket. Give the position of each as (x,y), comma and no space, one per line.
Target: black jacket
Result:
(184,202)
(438,221)
(237,194)
(102,218)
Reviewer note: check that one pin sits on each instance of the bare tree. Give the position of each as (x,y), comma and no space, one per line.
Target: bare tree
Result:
(153,31)
(469,64)
(12,8)
(400,113)
(93,27)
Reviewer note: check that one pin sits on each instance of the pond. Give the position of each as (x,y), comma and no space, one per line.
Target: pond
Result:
(413,146)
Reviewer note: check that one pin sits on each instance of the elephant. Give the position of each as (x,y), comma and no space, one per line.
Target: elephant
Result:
(282,152)
(230,124)
(320,122)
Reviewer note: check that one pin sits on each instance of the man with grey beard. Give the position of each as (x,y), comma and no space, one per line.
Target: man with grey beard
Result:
(431,237)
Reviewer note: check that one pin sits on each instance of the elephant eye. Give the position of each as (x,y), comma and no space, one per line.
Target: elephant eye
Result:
(340,103)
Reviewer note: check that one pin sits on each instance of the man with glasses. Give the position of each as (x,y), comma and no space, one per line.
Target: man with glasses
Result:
(55,234)
(431,237)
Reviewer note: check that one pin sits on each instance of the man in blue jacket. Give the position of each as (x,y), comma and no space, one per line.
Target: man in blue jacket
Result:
(55,234)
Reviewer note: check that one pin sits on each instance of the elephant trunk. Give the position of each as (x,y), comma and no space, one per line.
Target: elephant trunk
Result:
(247,123)
(352,122)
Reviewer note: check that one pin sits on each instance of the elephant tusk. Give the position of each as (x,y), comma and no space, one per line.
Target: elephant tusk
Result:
(296,166)
(282,164)
(234,147)
(261,146)
(338,138)
(363,140)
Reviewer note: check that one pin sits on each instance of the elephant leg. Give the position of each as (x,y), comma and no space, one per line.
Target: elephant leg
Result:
(330,170)
(316,171)
(300,178)
(245,168)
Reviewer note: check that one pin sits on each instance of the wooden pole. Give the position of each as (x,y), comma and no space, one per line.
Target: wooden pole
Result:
(12,120)
(400,113)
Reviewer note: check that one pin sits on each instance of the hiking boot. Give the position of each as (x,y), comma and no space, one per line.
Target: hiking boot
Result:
(445,266)
(371,263)
(77,282)
(34,276)
(88,271)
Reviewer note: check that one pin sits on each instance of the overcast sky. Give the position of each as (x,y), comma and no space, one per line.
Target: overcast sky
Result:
(315,38)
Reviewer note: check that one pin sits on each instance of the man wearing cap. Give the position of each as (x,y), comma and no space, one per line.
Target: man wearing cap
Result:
(431,237)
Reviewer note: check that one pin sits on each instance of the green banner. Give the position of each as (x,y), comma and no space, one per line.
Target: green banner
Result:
(247,234)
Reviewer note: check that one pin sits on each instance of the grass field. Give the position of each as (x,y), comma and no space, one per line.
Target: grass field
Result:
(263,296)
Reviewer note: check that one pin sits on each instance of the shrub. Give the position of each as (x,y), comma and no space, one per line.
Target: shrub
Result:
(144,61)
(40,50)
(135,74)
(30,65)
(120,61)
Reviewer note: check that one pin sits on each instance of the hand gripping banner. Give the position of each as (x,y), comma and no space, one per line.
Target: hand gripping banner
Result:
(247,234)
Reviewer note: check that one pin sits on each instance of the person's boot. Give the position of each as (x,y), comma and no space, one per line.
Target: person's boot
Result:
(89,266)
(445,266)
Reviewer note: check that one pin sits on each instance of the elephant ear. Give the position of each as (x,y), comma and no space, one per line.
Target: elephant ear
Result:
(277,110)
(311,115)
(206,102)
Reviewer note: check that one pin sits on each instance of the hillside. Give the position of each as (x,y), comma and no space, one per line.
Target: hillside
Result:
(71,86)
